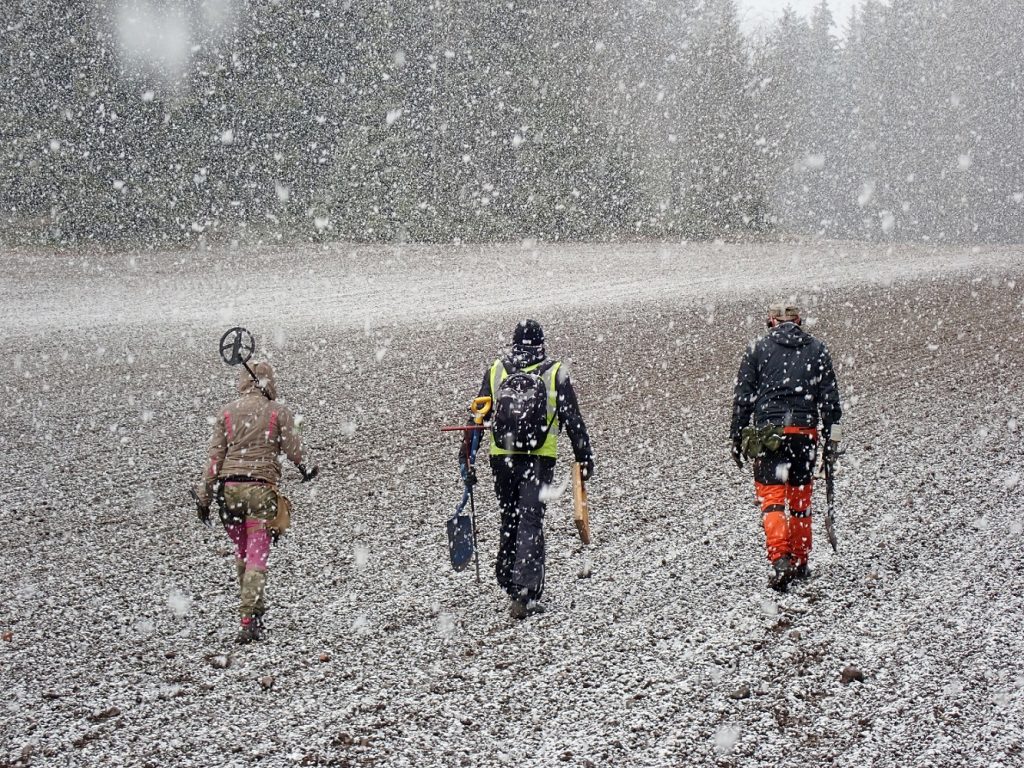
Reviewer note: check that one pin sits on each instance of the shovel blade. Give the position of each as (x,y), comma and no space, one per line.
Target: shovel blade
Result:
(460,541)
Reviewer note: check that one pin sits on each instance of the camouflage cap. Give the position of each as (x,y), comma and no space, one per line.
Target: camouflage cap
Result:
(783,312)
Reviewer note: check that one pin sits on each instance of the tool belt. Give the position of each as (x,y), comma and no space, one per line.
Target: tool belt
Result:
(811,432)
(276,526)
(757,441)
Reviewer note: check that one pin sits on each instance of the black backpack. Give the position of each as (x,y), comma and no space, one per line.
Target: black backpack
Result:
(520,416)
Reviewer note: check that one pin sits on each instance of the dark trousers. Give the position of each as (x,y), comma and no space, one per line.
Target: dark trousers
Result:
(517,483)
(792,464)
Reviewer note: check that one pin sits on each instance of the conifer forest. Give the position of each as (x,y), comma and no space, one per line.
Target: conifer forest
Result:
(454,120)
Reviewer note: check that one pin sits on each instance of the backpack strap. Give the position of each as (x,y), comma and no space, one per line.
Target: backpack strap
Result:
(498,375)
(551,384)
(552,391)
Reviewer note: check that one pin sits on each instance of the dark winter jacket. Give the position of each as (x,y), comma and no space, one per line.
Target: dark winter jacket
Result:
(569,417)
(786,379)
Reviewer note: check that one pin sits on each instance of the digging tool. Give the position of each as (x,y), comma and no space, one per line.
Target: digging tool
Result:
(237,346)
(829,457)
(830,512)
(581,506)
(581,515)
(462,538)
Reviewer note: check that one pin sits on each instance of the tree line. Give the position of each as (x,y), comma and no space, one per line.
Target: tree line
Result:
(391,120)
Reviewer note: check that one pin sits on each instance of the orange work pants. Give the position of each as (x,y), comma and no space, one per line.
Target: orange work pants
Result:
(783,482)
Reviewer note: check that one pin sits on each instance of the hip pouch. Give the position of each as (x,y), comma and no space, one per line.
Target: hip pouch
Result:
(756,441)
(228,516)
(281,521)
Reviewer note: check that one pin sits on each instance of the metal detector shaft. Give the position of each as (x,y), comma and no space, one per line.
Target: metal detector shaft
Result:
(256,381)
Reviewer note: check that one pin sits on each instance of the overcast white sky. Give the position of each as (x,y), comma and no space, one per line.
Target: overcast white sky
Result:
(761,13)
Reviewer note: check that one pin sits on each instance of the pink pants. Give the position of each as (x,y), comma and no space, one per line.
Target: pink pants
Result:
(252,543)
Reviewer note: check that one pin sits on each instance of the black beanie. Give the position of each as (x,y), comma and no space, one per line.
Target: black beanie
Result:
(528,334)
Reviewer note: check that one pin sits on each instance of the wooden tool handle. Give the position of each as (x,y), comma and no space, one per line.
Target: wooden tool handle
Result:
(581,506)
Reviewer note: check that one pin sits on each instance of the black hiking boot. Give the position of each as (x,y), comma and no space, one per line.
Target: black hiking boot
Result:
(784,573)
(520,609)
(802,572)
(258,627)
(248,632)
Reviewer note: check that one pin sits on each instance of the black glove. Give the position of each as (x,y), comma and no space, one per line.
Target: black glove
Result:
(468,475)
(308,474)
(737,451)
(202,510)
(586,468)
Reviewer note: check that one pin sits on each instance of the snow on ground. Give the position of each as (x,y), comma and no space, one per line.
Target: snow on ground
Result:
(120,607)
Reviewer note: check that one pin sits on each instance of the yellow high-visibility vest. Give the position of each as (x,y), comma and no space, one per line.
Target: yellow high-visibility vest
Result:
(550,445)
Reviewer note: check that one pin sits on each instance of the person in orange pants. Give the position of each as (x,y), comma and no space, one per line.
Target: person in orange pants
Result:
(785,381)
(783,480)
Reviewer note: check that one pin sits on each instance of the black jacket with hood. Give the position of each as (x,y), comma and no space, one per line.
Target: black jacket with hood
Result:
(786,379)
(569,417)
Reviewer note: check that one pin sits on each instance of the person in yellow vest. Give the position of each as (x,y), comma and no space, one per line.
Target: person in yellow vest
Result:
(533,400)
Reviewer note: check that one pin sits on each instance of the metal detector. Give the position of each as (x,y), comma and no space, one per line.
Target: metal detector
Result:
(237,346)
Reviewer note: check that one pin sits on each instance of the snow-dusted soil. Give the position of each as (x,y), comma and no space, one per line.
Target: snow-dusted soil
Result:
(118,608)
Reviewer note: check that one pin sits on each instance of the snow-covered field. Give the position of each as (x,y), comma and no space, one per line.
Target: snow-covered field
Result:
(118,608)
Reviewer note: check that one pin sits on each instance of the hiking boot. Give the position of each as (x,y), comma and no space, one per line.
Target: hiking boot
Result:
(803,571)
(248,632)
(533,608)
(258,627)
(784,573)
(520,609)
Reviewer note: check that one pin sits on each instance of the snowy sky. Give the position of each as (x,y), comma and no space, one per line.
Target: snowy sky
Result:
(761,13)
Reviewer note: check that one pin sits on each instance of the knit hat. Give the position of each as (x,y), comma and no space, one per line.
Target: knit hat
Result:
(528,333)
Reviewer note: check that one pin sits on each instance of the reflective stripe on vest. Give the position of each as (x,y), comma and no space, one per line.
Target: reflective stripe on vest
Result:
(550,445)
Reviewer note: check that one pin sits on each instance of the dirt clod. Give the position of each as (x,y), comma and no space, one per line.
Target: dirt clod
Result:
(850,674)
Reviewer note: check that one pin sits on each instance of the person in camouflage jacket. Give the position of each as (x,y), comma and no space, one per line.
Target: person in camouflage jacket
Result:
(242,473)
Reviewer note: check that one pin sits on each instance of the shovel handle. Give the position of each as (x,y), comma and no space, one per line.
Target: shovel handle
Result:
(480,407)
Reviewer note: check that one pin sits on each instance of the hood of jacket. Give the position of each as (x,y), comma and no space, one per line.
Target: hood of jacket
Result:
(265,373)
(790,335)
(523,356)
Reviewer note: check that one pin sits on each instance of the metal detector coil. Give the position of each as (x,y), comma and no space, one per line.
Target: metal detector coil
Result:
(237,346)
